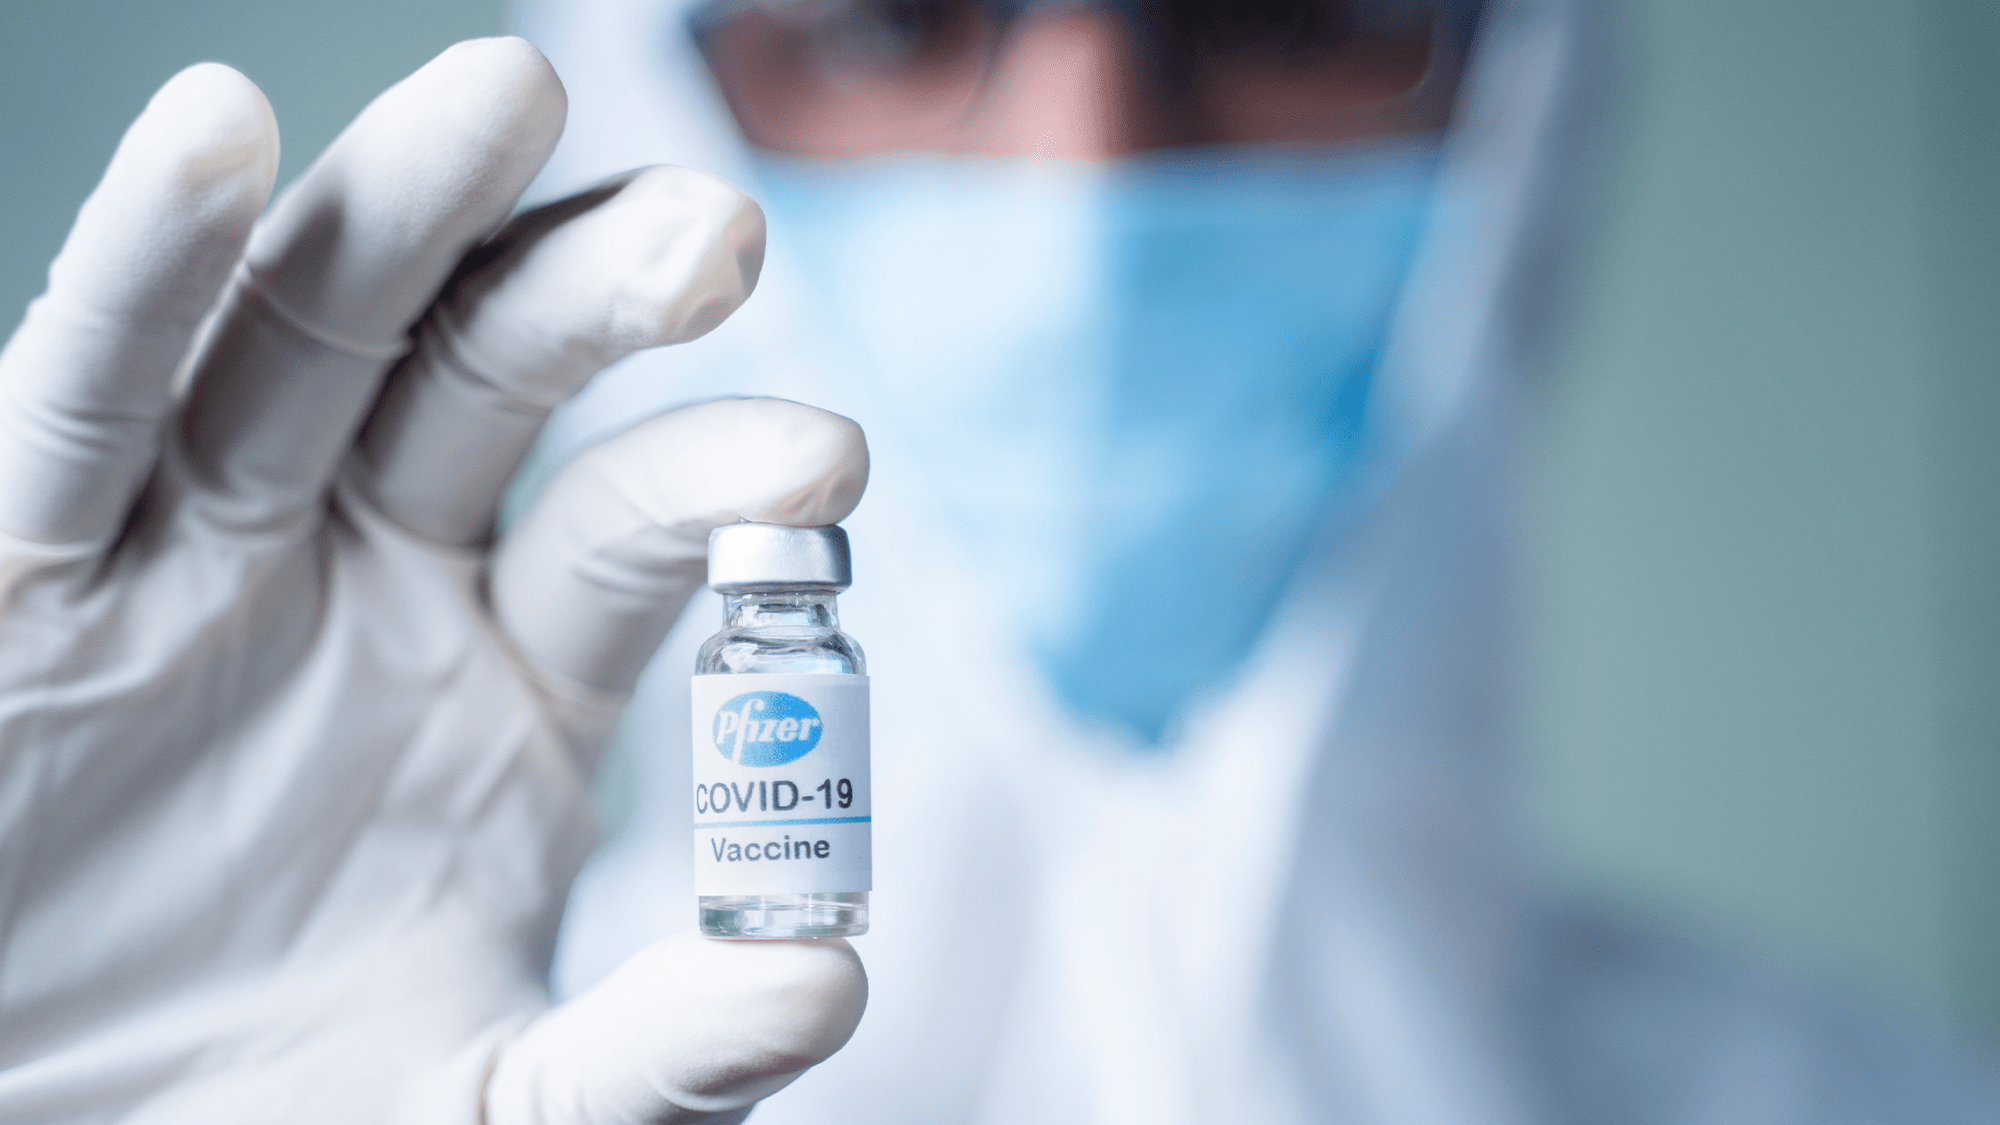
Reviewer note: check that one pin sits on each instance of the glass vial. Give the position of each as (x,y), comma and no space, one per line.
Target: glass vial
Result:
(782,821)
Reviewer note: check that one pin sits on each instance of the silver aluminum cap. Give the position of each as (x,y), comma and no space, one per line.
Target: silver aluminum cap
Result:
(743,557)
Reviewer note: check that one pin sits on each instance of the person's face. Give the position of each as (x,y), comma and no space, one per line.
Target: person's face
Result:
(856,78)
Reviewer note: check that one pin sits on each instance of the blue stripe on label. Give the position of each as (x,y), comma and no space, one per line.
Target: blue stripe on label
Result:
(778,823)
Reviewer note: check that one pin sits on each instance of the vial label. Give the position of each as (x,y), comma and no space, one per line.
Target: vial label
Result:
(781,801)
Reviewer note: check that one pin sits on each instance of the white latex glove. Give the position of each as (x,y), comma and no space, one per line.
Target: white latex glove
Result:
(294,762)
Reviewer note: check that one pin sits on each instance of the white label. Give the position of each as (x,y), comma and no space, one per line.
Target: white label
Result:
(781,802)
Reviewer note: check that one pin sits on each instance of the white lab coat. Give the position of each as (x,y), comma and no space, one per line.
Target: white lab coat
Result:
(1310,909)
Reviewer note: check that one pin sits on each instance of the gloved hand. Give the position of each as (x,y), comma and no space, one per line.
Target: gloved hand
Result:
(294,759)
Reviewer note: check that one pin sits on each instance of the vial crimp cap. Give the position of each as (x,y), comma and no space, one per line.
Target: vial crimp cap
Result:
(746,557)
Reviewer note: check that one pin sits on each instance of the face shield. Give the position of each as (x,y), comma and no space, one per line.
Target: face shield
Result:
(1118,277)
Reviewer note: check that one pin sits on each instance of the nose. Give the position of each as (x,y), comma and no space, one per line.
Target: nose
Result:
(1067,85)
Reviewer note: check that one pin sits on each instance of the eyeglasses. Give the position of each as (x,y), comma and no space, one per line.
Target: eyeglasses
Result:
(852,77)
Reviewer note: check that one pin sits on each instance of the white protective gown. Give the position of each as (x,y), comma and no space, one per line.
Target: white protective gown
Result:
(1309,910)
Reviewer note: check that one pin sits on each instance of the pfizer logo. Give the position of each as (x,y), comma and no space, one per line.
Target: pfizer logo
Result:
(766,728)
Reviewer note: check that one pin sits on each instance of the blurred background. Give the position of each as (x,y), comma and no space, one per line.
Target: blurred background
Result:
(1764,676)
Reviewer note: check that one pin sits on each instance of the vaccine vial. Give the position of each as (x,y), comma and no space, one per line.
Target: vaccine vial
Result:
(781,783)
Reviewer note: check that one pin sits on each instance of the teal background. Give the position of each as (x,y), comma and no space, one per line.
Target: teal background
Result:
(1767,597)
(1763,529)
(73,74)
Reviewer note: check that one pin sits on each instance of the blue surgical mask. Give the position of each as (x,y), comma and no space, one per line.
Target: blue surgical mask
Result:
(1137,389)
